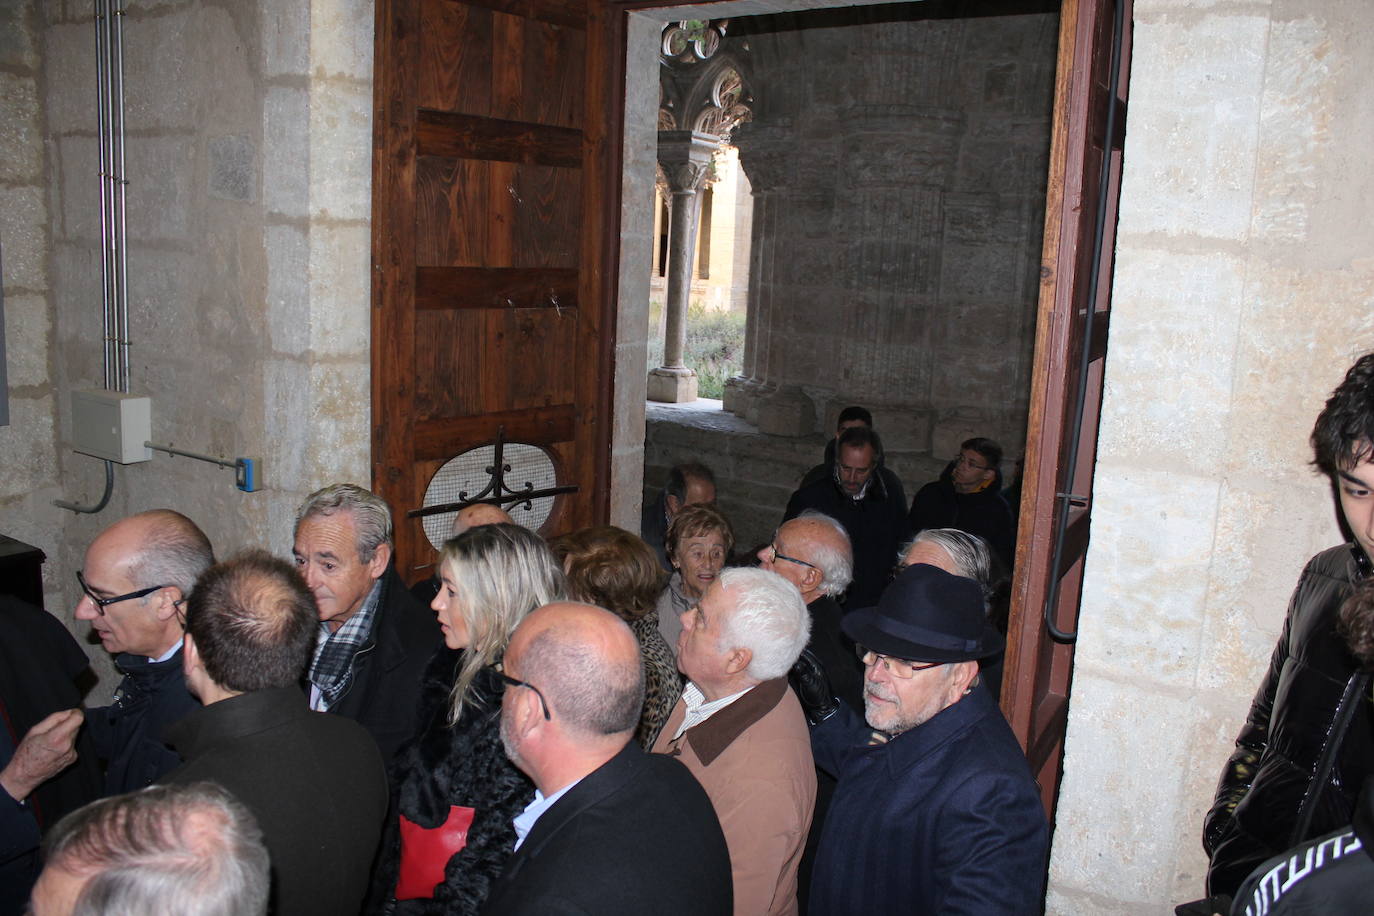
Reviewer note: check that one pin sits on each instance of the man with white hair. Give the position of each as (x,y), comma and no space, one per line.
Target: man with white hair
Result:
(192,850)
(740,730)
(812,552)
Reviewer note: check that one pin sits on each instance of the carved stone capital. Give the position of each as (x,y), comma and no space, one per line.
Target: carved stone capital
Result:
(685,157)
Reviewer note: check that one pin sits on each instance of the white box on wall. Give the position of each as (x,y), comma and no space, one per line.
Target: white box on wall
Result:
(112,425)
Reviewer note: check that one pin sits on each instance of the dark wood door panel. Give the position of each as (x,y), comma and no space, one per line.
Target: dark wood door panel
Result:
(489,241)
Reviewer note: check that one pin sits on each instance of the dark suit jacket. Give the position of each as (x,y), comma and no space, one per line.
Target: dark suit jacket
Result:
(385,691)
(314,781)
(637,835)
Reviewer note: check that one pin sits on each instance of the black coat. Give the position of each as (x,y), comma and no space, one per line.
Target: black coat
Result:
(876,525)
(1332,874)
(1313,697)
(128,734)
(385,689)
(314,781)
(445,766)
(985,513)
(635,836)
(40,668)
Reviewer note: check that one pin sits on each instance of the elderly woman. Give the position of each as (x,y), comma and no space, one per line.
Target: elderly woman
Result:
(699,541)
(614,569)
(454,774)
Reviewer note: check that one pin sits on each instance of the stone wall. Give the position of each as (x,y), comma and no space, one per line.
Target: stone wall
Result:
(1244,288)
(28,445)
(898,162)
(249,167)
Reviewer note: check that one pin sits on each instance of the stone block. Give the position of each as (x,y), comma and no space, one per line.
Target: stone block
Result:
(1187,109)
(23,224)
(21,139)
(787,412)
(286,151)
(233,168)
(288,289)
(287,419)
(673,386)
(28,446)
(76,197)
(28,338)
(1179,317)
(69,65)
(341,150)
(162,292)
(285,37)
(953,427)
(18,43)
(340,289)
(1265,533)
(1145,587)
(159,198)
(339,443)
(1104,760)
(165,68)
(341,39)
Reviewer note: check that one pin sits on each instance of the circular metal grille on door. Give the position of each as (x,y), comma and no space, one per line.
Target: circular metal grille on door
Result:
(470,473)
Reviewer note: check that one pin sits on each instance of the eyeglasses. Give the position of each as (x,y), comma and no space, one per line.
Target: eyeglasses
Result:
(968,462)
(102,603)
(774,555)
(513,682)
(897,667)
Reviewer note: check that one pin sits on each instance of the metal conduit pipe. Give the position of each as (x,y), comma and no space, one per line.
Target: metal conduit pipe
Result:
(109,82)
(120,183)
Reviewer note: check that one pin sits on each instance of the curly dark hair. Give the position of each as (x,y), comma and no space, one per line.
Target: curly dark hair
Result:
(1344,433)
(1356,623)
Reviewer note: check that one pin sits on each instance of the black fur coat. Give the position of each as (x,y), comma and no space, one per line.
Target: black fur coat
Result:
(453,765)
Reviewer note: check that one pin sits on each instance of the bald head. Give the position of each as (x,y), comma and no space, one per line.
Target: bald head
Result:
(139,569)
(479,514)
(822,546)
(586,662)
(158,547)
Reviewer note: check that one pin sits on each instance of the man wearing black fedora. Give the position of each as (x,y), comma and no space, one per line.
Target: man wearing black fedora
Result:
(936,809)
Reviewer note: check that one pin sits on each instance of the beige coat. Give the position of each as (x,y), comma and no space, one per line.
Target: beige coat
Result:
(754,759)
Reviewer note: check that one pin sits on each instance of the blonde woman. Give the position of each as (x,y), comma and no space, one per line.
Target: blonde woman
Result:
(454,774)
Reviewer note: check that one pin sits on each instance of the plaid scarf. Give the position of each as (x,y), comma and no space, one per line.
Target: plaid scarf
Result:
(332,669)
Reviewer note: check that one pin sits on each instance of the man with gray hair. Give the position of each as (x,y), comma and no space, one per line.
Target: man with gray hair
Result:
(136,575)
(740,730)
(187,850)
(812,552)
(962,554)
(374,637)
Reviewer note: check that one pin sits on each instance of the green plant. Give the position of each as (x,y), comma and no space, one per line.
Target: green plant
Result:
(714,348)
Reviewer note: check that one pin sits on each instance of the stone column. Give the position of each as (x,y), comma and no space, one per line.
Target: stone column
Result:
(685,156)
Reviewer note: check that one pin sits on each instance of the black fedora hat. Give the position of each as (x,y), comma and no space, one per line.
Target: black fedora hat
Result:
(927,615)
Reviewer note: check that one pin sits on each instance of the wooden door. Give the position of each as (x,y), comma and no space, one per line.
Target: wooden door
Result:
(492,193)
(1070,350)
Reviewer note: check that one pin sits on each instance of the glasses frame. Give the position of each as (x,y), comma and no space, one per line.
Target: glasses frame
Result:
(961,460)
(516,682)
(777,555)
(902,664)
(102,603)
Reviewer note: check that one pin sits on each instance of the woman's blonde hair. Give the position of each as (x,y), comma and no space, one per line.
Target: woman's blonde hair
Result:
(499,573)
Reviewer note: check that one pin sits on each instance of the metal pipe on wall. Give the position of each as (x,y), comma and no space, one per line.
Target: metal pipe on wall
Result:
(120,185)
(102,171)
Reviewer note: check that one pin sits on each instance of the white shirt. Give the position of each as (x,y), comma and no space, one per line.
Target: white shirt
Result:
(169,653)
(524,821)
(699,710)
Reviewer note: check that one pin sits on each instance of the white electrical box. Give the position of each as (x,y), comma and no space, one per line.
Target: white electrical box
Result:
(112,425)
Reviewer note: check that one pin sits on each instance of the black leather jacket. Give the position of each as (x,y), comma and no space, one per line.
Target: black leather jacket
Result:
(1308,742)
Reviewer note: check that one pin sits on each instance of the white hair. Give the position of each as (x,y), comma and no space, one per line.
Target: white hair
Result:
(769,619)
(836,565)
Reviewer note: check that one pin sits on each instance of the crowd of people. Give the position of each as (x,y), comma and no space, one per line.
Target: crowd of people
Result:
(611,722)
